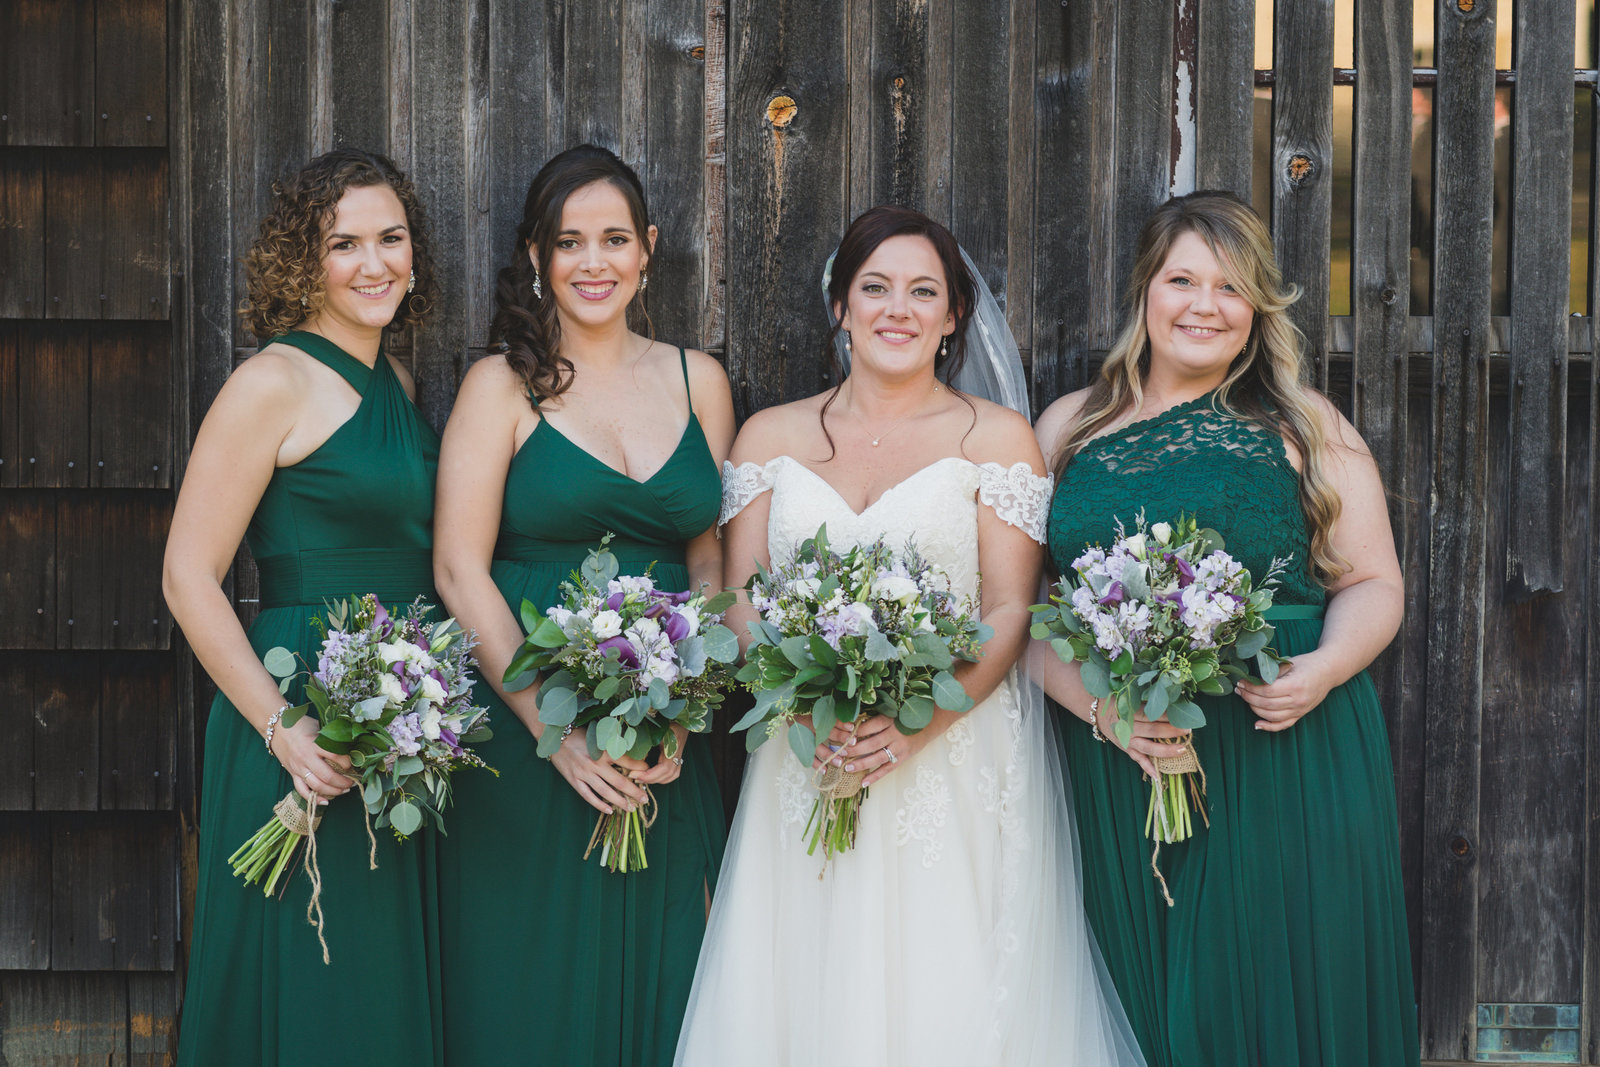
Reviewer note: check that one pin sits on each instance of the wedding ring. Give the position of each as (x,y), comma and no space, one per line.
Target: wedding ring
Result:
(676,759)
(887,751)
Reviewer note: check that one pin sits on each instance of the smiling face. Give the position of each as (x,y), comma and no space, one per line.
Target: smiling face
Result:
(597,258)
(366,254)
(1196,320)
(898,308)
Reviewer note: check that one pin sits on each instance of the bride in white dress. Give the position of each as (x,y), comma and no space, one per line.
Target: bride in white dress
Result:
(953,932)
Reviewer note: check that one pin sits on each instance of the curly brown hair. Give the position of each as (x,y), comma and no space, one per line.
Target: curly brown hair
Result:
(284,276)
(525,328)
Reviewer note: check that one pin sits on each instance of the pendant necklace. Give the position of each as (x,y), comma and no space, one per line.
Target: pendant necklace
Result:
(895,425)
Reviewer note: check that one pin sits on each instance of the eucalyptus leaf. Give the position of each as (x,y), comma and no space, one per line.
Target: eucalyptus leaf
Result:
(915,714)
(520,672)
(750,718)
(797,650)
(408,765)
(557,707)
(1186,715)
(607,688)
(292,716)
(1124,732)
(823,717)
(879,649)
(721,646)
(599,567)
(1267,666)
(1096,679)
(1063,649)
(607,733)
(1155,704)
(548,634)
(802,742)
(1252,641)
(659,693)
(279,662)
(406,817)
(948,693)
(718,604)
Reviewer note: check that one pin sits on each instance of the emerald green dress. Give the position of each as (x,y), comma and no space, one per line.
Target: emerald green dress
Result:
(548,957)
(1287,943)
(353,517)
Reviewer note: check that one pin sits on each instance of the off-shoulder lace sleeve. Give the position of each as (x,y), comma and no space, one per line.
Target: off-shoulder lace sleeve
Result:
(1017,495)
(740,485)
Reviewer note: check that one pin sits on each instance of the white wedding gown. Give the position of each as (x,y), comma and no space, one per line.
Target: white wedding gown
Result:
(953,933)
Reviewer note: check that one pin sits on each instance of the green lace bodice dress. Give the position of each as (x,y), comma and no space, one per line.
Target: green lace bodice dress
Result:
(549,958)
(353,517)
(1287,944)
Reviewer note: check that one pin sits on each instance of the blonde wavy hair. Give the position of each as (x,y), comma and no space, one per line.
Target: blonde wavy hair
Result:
(1264,383)
(284,276)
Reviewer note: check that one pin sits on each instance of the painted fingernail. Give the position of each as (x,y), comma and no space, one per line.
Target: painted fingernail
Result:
(850,767)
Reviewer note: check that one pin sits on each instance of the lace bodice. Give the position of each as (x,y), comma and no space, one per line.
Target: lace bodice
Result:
(936,506)
(1232,474)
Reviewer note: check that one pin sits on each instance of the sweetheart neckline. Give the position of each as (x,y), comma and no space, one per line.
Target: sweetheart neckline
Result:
(881,496)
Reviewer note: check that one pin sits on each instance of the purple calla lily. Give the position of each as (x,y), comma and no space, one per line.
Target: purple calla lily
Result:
(614,601)
(625,650)
(1114,594)
(676,627)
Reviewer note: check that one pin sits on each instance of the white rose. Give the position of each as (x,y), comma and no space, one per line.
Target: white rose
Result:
(393,651)
(560,616)
(432,691)
(1162,531)
(690,615)
(607,624)
(430,721)
(806,587)
(1135,545)
(891,587)
(390,688)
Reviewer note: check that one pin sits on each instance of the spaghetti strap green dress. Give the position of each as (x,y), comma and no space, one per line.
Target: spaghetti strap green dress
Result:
(353,517)
(1287,944)
(549,958)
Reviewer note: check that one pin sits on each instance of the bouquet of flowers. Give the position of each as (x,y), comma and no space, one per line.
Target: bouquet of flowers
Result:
(843,635)
(628,661)
(395,695)
(1163,615)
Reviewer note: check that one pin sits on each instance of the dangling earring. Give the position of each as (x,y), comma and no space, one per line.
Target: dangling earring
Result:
(644,280)
(411,283)
(944,348)
(847,344)
(538,290)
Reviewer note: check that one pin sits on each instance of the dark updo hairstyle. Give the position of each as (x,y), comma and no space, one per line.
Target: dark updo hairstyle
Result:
(870,229)
(285,282)
(525,328)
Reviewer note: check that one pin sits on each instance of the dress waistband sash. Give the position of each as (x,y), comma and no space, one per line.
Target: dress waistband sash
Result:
(395,575)
(632,556)
(1286,612)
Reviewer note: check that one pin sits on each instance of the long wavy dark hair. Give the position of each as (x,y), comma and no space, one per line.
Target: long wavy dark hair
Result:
(285,281)
(870,229)
(525,328)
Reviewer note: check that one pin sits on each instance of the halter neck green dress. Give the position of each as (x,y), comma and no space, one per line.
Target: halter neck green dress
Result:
(1287,945)
(548,957)
(353,517)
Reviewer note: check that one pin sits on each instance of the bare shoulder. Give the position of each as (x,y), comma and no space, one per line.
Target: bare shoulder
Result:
(1056,420)
(1000,435)
(491,379)
(779,430)
(408,381)
(706,373)
(271,380)
(1341,433)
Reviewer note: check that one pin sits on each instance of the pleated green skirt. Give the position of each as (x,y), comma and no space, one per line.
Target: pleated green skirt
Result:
(1287,943)
(549,958)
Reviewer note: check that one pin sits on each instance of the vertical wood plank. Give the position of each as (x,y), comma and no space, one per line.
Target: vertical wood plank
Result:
(1142,129)
(64,1020)
(480,239)
(1530,902)
(21,233)
(1380,280)
(206,188)
(592,64)
(108,575)
(1224,100)
(27,571)
(893,142)
(1541,190)
(1408,716)
(1591,676)
(138,742)
(47,82)
(66,733)
(152,1019)
(1020,189)
(10,405)
(135,272)
(359,94)
(74,233)
(673,126)
(979,181)
(1464,191)
(130,406)
(25,905)
(130,72)
(1302,164)
(114,890)
(787,195)
(714,297)
(53,379)
(16,719)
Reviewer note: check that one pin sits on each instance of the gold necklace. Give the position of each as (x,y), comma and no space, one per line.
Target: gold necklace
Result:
(895,425)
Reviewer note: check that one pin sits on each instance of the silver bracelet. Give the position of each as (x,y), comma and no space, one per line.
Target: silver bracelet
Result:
(272,726)
(1094,720)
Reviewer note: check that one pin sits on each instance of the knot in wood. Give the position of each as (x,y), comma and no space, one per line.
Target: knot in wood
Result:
(698,53)
(1460,846)
(780,111)
(1466,6)
(1300,168)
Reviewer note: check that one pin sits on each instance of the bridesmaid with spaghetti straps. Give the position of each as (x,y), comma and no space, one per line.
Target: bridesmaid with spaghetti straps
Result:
(574,426)
(315,454)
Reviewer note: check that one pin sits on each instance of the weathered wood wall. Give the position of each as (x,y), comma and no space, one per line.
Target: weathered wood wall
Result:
(95,771)
(1042,132)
